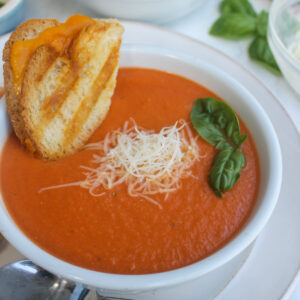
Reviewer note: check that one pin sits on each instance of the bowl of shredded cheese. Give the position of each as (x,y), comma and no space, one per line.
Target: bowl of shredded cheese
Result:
(284,39)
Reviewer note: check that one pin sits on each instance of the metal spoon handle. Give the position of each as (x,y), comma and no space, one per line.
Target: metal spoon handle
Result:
(82,293)
(23,280)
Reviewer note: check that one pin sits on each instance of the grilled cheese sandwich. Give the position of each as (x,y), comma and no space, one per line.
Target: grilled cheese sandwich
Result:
(59,80)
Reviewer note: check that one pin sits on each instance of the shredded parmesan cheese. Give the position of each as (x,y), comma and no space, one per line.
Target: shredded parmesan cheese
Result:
(149,163)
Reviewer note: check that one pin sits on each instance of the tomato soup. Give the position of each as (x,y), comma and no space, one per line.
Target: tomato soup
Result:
(117,233)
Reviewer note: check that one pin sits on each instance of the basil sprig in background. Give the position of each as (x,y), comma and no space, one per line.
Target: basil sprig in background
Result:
(239,20)
(217,123)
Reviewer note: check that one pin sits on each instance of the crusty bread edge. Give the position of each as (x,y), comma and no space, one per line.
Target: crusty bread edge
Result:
(27,30)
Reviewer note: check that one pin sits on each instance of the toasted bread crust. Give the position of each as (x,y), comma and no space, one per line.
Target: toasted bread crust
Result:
(27,30)
(64,96)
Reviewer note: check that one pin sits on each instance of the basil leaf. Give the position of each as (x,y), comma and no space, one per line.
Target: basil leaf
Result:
(262,23)
(226,170)
(217,123)
(237,6)
(1,4)
(234,26)
(260,51)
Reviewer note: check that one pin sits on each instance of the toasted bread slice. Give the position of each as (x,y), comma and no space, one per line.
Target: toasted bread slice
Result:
(65,97)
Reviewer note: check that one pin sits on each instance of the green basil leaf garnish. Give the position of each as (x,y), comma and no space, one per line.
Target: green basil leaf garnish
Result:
(226,170)
(1,4)
(239,20)
(216,122)
(234,26)
(262,23)
(237,6)
(260,51)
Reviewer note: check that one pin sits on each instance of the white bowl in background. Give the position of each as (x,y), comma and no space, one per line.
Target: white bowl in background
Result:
(156,11)
(11,15)
(283,30)
(270,181)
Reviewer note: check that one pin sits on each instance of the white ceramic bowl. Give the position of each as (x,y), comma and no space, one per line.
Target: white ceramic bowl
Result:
(283,30)
(270,161)
(11,15)
(157,11)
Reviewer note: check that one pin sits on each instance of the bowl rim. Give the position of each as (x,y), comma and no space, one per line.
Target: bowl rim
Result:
(9,7)
(272,34)
(157,280)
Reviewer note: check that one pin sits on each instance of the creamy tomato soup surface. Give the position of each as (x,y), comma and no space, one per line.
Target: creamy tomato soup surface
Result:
(117,233)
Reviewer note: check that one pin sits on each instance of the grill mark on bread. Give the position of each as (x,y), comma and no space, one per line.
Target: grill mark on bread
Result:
(89,102)
(46,56)
(55,101)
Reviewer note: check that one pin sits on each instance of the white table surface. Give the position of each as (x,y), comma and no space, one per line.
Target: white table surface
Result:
(195,25)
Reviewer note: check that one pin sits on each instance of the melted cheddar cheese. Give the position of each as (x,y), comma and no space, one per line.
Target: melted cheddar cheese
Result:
(59,37)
